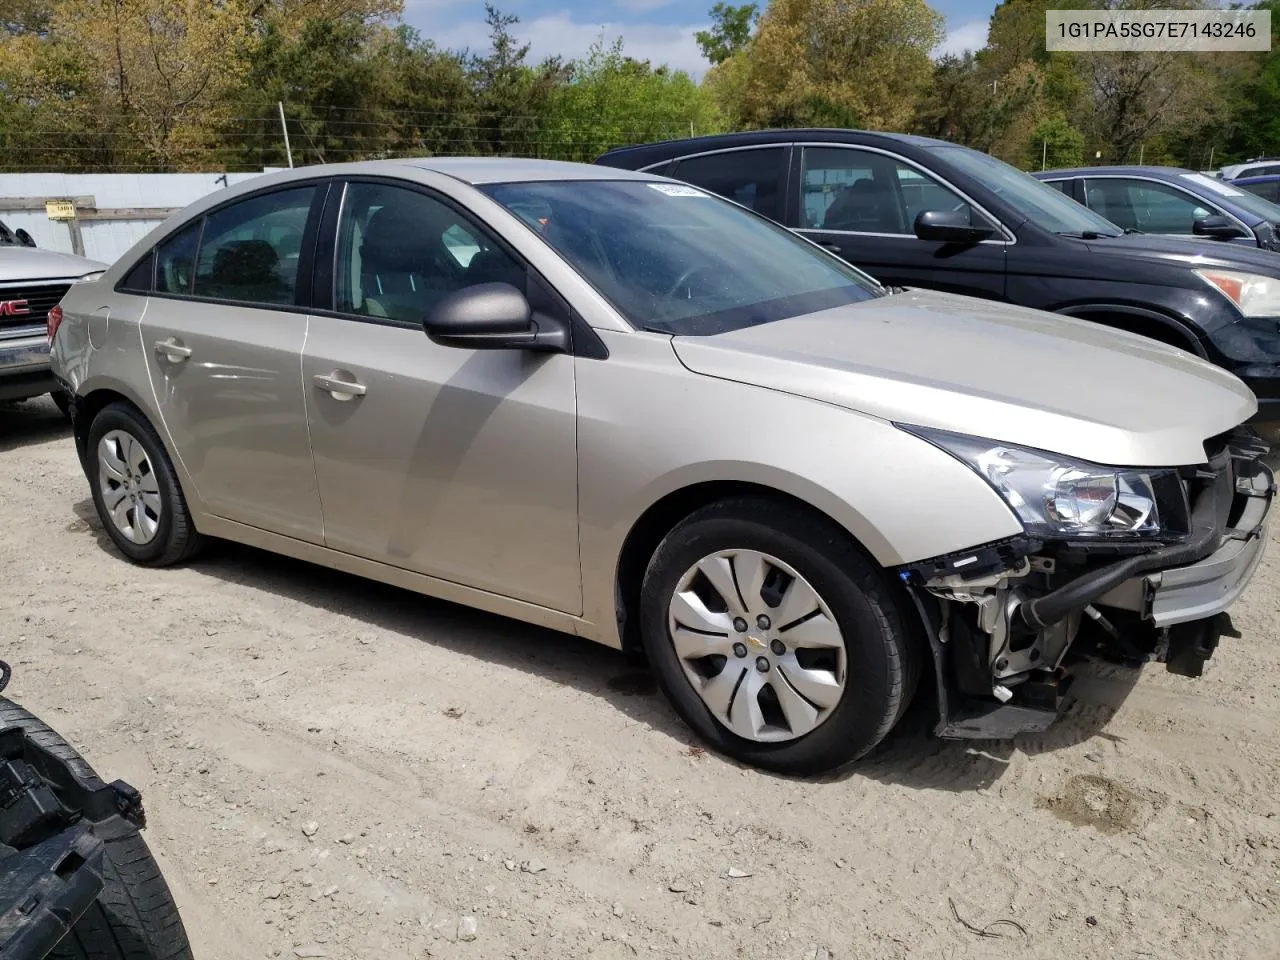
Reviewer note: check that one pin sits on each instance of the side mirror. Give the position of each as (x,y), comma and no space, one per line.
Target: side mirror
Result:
(491,316)
(1216,227)
(24,238)
(949,226)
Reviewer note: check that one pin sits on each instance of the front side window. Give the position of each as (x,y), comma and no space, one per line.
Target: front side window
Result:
(752,177)
(1036,201)
(250,250)
(1145,205)
(176,260)
(859,191)
(400,252)
(674,259)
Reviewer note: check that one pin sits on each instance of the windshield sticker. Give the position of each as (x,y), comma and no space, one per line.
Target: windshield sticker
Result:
(1215,185)
(677,190)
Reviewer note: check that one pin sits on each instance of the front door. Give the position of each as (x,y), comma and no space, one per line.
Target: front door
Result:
(223,342)
(862,204)
(459,464)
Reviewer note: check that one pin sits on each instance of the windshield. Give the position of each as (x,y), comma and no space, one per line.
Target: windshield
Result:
(1038,202)
(674,259)
(1259,206)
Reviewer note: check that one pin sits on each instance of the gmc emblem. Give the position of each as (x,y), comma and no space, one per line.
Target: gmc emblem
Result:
(14,308)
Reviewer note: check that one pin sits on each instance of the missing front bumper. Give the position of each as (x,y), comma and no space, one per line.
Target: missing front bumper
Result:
(1004,637)
(1203,589)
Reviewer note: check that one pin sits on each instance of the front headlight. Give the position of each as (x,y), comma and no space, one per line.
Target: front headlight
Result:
(1254,295)
(1057,498)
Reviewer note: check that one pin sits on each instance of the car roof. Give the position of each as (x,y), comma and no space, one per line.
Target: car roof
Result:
(664,149)
(1265,178)
(478,170)
(1166,173)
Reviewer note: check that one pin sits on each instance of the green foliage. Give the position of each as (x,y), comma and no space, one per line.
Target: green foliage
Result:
(613,99)
(189,84)
(1054,143)
(730,31)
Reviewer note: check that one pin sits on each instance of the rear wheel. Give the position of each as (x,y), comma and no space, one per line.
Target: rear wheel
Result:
(134,917)
(775,638)
(136,491)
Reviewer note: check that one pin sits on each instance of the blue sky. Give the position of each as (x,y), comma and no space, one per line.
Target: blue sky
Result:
(660,30)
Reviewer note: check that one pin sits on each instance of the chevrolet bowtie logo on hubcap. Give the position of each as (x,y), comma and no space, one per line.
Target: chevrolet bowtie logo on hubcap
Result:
(756,642)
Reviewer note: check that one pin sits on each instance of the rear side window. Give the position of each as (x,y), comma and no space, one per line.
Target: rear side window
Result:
(138,280)
(752,178)
(250,250)
(1268,191)
(176,260)
(1062,186)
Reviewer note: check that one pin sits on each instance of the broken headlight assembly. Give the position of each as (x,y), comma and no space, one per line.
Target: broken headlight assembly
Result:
(1060,498)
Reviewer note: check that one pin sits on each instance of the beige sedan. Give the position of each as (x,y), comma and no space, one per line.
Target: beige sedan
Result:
(624,408)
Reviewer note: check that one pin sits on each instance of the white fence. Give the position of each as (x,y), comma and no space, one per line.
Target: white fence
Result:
(114,210)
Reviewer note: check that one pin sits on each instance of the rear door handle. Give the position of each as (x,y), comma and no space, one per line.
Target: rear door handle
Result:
(340,388)
(172,350)
(834,248)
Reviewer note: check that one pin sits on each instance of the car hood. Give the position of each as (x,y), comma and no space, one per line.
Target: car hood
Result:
(1192,251)
(32,263)
(990,370)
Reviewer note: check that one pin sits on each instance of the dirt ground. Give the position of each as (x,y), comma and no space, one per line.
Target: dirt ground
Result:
(335,768)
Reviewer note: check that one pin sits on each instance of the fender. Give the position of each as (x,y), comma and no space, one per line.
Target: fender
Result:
(1178,327)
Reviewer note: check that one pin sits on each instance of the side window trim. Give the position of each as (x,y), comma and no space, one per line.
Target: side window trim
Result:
(1009,239)
(300,304)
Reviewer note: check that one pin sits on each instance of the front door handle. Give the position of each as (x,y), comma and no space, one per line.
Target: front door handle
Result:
(834,248)
(172,350)
(340,388)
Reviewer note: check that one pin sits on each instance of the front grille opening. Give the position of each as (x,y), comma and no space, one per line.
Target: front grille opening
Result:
(29,305)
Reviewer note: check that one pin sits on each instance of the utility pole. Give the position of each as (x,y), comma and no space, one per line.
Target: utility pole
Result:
(285,127)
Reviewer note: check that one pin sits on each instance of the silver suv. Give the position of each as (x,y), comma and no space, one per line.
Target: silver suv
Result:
(32,282)
(622,407)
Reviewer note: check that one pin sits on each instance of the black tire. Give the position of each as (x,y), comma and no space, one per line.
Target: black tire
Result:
(134,917)
(176,537)
(883,655)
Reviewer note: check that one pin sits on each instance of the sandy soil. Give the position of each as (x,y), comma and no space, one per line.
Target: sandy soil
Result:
(334,768)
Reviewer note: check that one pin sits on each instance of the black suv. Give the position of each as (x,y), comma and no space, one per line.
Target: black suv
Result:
(917,212)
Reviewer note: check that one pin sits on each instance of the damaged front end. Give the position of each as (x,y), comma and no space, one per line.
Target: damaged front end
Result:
(1128,566)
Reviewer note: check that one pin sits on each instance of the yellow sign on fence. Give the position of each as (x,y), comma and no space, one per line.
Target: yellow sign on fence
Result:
(60,209)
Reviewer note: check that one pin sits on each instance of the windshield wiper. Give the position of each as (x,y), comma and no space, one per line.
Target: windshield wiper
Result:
(1088,235)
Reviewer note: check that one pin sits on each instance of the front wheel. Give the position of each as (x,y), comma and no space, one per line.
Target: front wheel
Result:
(775,638)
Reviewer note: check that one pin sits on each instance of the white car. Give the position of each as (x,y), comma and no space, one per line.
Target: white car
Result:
(32,282)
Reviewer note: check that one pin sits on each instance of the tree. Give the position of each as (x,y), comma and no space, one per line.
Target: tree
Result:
(26,16)
(842,62)
(730,31)
(1137,95)
(510,95)
(613,99)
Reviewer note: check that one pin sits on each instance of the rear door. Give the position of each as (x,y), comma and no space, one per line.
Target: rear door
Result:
(223,335)
(861,203)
